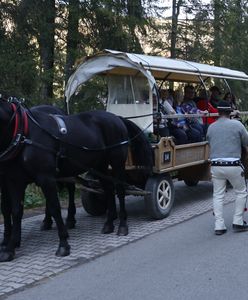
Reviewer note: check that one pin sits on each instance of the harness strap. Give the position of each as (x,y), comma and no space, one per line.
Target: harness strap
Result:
(20,120)
(32,143)
(25,122)
(60,122)
(14,108)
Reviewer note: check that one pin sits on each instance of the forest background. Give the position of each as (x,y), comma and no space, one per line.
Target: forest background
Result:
(42,41)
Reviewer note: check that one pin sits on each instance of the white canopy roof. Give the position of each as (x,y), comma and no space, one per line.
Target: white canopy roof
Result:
(121,63)
(103,63)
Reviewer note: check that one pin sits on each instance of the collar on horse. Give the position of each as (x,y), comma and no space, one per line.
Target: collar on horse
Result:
(20,130)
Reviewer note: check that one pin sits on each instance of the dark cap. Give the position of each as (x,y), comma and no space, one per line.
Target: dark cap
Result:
(224,106)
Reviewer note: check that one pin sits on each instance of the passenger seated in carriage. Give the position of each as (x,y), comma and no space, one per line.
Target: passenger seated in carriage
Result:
(203,103)
(178,128)
(231,99)
(189,107)
(215,96)
(160,123)
(181,128)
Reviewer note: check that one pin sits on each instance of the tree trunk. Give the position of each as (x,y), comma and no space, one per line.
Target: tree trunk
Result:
(175,13)
(46,44)
(72,37)
(217,46)
(135,14)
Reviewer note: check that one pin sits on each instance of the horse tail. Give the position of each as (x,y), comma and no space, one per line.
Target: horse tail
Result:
(142,153)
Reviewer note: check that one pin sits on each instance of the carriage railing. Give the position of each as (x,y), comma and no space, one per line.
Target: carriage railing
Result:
(200,115)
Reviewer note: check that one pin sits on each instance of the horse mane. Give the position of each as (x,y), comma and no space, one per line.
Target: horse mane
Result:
(141,149)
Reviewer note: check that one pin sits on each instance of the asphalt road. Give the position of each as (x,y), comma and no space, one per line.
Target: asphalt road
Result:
(185,261)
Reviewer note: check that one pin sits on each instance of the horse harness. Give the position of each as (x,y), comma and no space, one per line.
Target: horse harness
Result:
(19,136)
(20,131)
(60,122)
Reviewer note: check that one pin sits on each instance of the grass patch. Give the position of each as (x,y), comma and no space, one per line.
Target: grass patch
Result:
(35,198)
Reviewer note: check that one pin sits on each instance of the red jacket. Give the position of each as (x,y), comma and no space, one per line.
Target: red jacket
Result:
(204,104)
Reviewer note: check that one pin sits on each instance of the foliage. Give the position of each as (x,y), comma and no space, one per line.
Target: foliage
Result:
(33,197)
(91,96)
(39,51)
(18,74)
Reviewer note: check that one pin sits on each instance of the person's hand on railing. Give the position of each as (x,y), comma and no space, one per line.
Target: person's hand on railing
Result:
(236,112)
(204,112)
(236,115)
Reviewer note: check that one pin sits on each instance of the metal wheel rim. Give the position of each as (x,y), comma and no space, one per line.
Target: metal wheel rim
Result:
(164,194)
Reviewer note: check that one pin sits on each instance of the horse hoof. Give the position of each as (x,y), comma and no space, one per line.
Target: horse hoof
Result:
(107,228)
(122,231)
(46,226)
(63,251)
(6,256)
(70,224)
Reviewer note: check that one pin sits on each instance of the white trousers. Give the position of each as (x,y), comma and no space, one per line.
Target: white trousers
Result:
(235,175)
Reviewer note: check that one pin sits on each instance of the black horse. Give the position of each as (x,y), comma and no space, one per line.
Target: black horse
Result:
(70,186)
(40,147)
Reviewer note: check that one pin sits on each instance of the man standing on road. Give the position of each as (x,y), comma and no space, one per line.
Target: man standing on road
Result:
(226,138)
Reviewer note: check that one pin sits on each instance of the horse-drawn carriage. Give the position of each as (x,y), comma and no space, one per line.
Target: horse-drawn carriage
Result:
(111,149)
(133,90)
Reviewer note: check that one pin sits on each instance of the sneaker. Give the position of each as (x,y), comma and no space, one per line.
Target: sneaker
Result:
(240,228)
(220,231)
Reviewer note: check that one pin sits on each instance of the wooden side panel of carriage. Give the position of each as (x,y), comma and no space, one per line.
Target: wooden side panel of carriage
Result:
(189,160)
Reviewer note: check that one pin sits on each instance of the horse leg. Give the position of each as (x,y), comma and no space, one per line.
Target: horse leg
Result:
(118,172)
(47,222)
(6,211)
(123,228)
(16,196)
(108,226)
(49,189)
(70,220)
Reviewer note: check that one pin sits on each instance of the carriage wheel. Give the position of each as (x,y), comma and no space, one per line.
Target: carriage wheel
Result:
(94,204)
(191,182)
(160,201)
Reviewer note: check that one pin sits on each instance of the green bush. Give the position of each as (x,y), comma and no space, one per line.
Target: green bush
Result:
(33,197)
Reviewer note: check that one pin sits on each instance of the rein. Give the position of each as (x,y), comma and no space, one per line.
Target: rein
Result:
(141,116)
